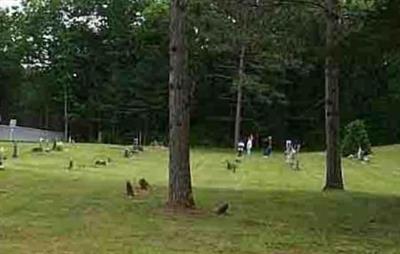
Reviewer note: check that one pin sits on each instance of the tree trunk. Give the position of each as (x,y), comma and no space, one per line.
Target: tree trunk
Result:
(180,186)
(238,118)
(4,104)
(334,178)
(46,116)
(65,113)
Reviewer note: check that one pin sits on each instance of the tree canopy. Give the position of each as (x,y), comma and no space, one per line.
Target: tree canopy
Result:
(111,59)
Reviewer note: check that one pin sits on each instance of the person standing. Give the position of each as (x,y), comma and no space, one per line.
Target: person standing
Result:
(288,146)
(265,147)
(249,144)
(269,147)
(240,148)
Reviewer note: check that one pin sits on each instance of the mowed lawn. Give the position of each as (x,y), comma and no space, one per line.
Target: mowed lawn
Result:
(44,208)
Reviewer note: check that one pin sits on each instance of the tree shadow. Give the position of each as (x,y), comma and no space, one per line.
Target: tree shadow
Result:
(341,219)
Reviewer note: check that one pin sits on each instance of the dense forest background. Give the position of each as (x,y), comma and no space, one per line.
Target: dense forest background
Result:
(108,60)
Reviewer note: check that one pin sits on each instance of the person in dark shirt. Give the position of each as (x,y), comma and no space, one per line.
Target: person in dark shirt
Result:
(240,148)
(268,146)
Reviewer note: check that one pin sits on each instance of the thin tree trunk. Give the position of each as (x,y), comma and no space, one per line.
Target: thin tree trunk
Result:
(180,185)
(4,104)
(238,118)
(334,178)
(40,123)
(113,135)
(46,117)
(65,113)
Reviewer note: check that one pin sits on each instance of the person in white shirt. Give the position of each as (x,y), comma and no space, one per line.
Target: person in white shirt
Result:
(288,146)
(249,144)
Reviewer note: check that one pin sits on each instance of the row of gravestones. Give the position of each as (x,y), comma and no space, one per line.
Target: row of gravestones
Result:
(44,146)
(130,191)
(128,153)
(57,146)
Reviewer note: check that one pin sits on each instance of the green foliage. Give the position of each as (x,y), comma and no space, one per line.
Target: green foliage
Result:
(59,146)
(356,136)
(111,60)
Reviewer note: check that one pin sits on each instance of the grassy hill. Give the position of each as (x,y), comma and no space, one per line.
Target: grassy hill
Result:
(45,208)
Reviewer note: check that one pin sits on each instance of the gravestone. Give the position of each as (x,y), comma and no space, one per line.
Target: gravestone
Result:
(71,164)
(127,153)
(15,150)
(144,185)
(54,144)
(13,124)
(100,163)
(129,189)
(1,158)
(222,209)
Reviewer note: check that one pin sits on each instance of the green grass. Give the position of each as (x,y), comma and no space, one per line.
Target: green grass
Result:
(44,208)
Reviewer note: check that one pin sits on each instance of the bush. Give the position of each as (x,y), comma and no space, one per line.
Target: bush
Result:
(356,136)
(59,146)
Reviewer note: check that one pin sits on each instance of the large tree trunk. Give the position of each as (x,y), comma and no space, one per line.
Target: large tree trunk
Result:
(180,185)
(334,178)
(238,118)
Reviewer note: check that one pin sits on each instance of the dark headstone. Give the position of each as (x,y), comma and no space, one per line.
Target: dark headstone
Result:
(129,189)
(54,145)
(1,158)
(71,165)
(15,150)
(144,185)
(127,153)
(222,209)
(100,163)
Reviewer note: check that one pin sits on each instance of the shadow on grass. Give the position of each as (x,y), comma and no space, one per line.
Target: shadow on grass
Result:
(352,222)
(273,221)
(294,205)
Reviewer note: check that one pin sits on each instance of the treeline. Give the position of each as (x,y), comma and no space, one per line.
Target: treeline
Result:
(107,61)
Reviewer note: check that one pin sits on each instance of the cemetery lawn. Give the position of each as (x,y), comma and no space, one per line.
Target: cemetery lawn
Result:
(44,208)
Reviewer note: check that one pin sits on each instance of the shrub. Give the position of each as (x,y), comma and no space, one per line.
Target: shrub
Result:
(59,146)
(356,136)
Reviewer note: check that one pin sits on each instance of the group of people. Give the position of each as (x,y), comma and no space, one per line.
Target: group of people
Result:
(292,147)
(248,146)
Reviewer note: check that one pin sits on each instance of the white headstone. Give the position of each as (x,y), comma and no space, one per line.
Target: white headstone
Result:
(13,123)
